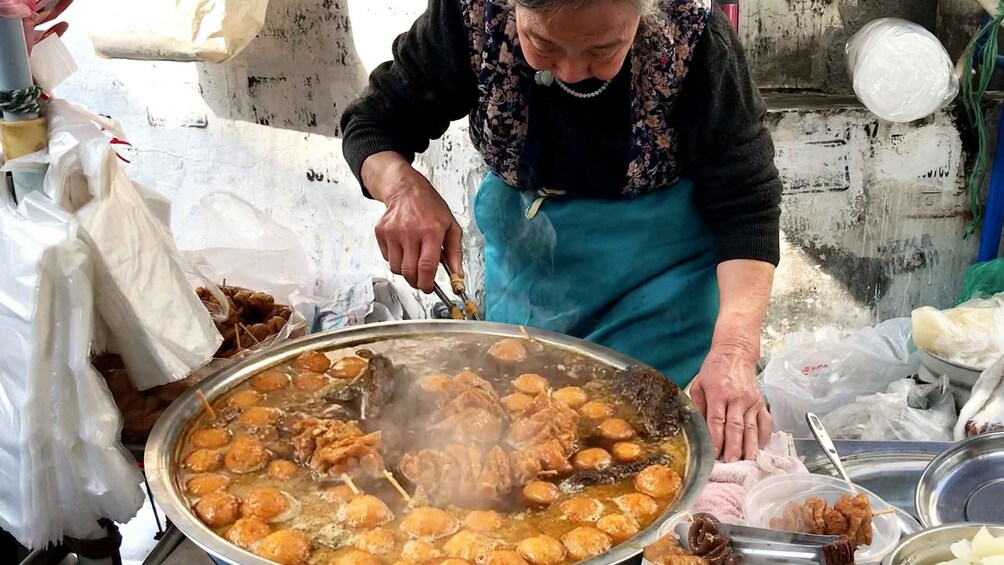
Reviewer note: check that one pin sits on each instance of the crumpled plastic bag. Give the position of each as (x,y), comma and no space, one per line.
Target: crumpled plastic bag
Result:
(984,412)
(907,411)
(971,334)
(822,371)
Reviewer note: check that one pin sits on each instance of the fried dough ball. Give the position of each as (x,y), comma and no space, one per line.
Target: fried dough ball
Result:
(377,541)
(269,381)
(516,402)
(258,416)
(341,494)
(572,396)
(596,410)
(218,509)
(356,557)
(429,523)
(508,351)
(310,382)
(419,551)
(245,455)
(530,383)
(434,383)
(627,452)
(210,438)
(582,509)
(618,526)
(201,485)
(454,561)
(541,493)
(281,469)
(585,542)
(245,399)
(246,531)
(349,367)
(265,504)
(505,557)
(203,461)
(542,550)
(658,481)
(287,547)
(367,511)
(483,521)
(313,361)
(470,546)
(638,505)
(615,429)
(594,458)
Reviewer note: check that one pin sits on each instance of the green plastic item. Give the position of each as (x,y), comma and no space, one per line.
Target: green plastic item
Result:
(983,280)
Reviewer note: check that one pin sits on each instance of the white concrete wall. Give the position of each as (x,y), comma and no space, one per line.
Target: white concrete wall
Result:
(872,214)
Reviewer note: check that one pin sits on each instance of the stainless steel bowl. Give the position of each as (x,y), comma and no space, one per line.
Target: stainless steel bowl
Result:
(964,484)
(934,546)
(163,449)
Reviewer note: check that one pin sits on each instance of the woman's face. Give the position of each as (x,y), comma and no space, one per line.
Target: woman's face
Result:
(590,41)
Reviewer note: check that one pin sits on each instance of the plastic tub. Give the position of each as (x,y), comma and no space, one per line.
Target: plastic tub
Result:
(766,500)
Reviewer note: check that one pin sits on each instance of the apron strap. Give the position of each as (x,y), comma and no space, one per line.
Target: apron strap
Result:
(542,195)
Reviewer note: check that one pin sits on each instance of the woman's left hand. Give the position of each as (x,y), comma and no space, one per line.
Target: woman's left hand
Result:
(726,392)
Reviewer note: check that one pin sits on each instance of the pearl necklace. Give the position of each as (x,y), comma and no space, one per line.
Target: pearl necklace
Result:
(546,78)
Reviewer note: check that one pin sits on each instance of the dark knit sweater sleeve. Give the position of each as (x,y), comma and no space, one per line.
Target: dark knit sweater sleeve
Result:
(412,99)
(727,150)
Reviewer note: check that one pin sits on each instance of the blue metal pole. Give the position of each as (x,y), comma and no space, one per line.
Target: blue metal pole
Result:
(15,74)
(993,217)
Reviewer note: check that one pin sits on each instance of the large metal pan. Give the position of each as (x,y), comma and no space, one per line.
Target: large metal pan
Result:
(162,449)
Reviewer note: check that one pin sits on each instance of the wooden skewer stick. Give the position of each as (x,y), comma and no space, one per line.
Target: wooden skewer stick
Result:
(247,331)
(237,336)
(352,485)
(884,512)
(523,331)
(390,477)
(205,403)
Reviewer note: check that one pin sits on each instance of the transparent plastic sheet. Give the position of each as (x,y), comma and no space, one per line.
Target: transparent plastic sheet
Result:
(822,371)
(971,334)
(906,411)
(900,71)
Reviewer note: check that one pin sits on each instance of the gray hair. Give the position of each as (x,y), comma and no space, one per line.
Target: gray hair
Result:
(645,7)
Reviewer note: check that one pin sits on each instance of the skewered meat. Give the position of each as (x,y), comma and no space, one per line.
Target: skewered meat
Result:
(654,397)
(460,474)
(544,436)
(850,517)
(468,409)
(334,448)
(707,540)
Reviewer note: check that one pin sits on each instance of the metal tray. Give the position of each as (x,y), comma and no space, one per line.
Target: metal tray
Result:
(964,484)
(162,450)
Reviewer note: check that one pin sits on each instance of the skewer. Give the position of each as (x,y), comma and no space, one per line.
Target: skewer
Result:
(205,403)
(352,486)
(404,494)
(237,336)
(247,331)
(457,283)
(884,512)
(525,333)
(455,312)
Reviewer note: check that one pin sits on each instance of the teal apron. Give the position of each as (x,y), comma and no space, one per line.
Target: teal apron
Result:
(635,275)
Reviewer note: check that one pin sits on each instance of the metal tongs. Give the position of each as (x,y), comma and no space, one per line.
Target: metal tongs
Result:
(759,545)
(470,310)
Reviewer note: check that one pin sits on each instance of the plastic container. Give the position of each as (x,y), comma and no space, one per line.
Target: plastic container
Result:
(766,500)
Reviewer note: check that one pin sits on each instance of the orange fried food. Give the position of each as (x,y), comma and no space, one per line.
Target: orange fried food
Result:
(616,429)
(246,531)
(210,438)
(618,526)
(265,504)
(349,367)
(505,557)
(246,454)
(470,546)
(627,452)
(637,505)
(203,461)
(377,541)
(531,384)
(269,381)
(218,509)
(310,382)
(201,485)
(245,398)
(542,550)
(313,361)
(419,551)
(516,402)
(258,416)
(541,493)
(483,521)
(356,557)
(658,481)
(572,396)
(281,469)
(595,458)
(367,511)
(596,410)
(508,351)
(429,523)
(585,542)
(286,547)
(582,509)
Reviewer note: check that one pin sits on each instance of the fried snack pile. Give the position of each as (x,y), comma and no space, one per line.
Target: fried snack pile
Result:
(253,318)
(336,448)
(850,517)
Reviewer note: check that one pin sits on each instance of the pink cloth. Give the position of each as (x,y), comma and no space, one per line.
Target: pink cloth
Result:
(34,13)
(723,496)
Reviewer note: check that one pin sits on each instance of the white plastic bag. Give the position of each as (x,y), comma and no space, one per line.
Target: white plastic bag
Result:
(821,372)
(175,30)
(984,411)
(907,411)
(971,334)
(900,71)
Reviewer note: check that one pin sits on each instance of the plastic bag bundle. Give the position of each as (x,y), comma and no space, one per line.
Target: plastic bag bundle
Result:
(971,334)
(61,466)
(900,71)
(822,371)
(906,411)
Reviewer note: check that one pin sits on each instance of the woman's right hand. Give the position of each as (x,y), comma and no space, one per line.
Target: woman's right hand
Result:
(417,226)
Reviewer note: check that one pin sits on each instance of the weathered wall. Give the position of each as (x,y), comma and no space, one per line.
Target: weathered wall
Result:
(872,214)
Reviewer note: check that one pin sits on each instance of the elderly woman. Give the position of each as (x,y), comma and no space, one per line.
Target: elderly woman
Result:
(631,198)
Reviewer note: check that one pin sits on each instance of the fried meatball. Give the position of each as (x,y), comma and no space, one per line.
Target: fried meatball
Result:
(203,461)
(454,561)
(435,383)
(638,505)
(313,361)
(246,531)
(572,396)
(618,526)
(540,493)
(245,455)
(627,452)
(508,351)
(429,523)
(258,416)
(377,541)
(516,402)
(356,557)
(585,542)
(616,429)
(367,511)
(419,551)
(483,521)
(594,458)
(218,509)
(281,469)
(349,367)
(201,485)
(530,383)
(470,546)
(658,481)
(287,547)
(542,550)
(582,509)
(596,410)
(210,438)
(341,494)
(310,382)
(269,381)
(245,399)
(505,557)
(265,504)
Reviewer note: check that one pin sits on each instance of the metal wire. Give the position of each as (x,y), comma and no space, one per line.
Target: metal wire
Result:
(25,101)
